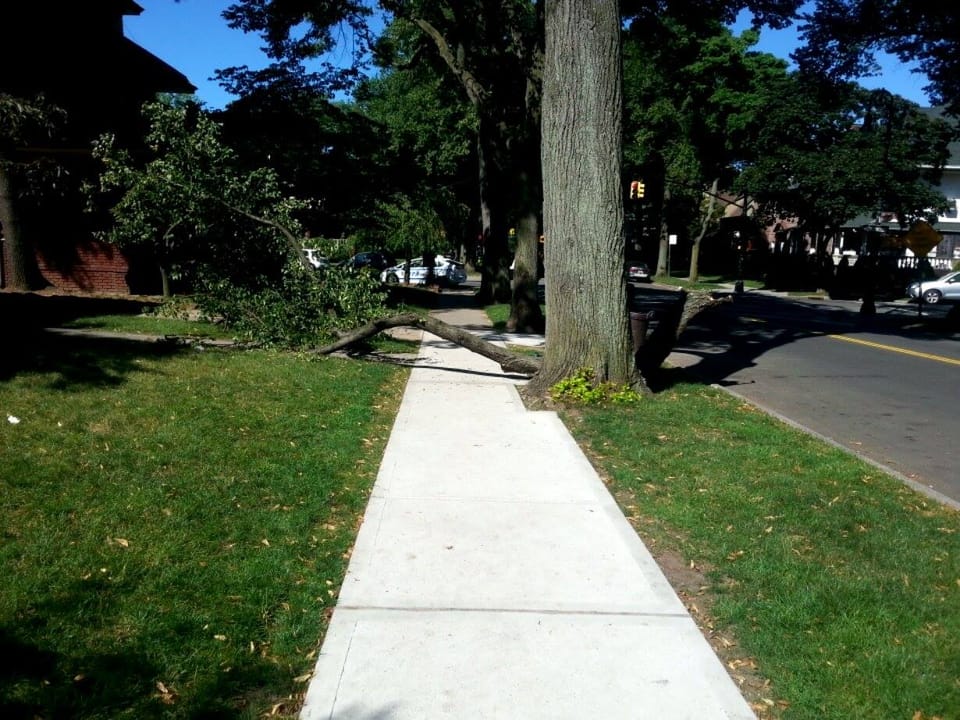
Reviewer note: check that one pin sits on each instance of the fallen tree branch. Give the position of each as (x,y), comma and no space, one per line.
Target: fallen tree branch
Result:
(507,360)
(696,302)
(672,320)
(650,358)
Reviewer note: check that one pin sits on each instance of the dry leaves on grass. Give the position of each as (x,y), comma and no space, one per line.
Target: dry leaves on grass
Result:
(166,695)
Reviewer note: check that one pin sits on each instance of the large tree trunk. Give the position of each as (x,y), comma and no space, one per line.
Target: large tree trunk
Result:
(587,323)
(20,272)
(495,272)
(525,313)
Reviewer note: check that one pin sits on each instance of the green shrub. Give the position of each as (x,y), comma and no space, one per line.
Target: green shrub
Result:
(304,310)
(582,389)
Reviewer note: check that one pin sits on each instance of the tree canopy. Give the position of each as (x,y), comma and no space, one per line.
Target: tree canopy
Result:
(188,203)
(827,157)
(842,38)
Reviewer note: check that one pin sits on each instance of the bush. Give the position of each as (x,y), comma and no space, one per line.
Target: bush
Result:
(305,310)
(582,389)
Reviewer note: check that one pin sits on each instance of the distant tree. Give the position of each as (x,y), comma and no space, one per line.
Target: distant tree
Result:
(425,155)
(843,36)
(695,98)
(23,176)
(493,51)
(826,155)
(410,230)
(324,150)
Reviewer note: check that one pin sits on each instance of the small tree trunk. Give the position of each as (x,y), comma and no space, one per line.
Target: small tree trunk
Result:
(525,312)
(663,258)
(165,281)
(695,250)
(587,321)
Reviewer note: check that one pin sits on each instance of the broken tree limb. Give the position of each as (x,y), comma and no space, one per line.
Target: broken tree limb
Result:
(507,360)
(672,321)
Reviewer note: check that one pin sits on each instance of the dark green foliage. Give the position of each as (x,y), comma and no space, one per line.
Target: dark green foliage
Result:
(302,310)
(826,154)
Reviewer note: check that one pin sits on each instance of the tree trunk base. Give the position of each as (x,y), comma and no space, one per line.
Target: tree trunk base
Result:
(650,355)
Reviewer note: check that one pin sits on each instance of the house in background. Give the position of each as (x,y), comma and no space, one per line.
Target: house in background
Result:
(943,257)
(948,225)
(76,55)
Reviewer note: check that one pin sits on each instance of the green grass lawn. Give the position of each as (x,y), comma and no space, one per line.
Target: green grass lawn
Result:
(841,584)
(176,524)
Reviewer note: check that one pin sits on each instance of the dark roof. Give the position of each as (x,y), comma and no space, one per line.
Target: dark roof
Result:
(152,71)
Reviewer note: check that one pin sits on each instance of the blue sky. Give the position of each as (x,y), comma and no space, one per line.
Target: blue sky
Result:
(192,36)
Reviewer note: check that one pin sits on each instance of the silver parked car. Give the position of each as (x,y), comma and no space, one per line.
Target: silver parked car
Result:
(944,289)
(446,271)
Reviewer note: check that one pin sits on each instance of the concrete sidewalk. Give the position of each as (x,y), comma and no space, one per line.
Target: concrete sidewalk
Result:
(495,577)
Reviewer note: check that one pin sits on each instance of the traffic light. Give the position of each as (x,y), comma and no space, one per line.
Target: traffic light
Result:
(636,190)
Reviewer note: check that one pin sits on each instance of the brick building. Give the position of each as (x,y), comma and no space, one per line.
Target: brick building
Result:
(76,55)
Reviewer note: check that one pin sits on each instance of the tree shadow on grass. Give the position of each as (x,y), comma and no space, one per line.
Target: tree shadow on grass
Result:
(54,665)
(82,360)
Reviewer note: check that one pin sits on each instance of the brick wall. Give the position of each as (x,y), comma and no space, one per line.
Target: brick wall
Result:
(94,267)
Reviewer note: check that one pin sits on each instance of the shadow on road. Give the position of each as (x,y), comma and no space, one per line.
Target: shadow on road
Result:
(755,323)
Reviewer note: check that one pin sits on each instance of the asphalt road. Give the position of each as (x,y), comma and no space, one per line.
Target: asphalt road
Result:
(886,388)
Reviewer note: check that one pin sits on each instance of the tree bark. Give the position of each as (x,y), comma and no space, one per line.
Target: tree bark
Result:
(495,270)
(507,360)
(663,257)
(695,250)
(21,272)
(525,313)
(587,321)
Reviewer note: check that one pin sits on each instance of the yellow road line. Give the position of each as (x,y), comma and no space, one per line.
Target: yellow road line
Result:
(891,348)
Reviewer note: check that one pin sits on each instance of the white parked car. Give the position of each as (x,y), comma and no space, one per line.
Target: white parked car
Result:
(446,271)
(316,259)
(945,289)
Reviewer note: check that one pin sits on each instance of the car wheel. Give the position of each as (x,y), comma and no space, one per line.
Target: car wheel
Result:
(392,279)
(932,297)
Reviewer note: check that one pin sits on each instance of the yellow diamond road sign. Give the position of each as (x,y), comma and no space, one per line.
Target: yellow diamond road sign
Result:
(922,239)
